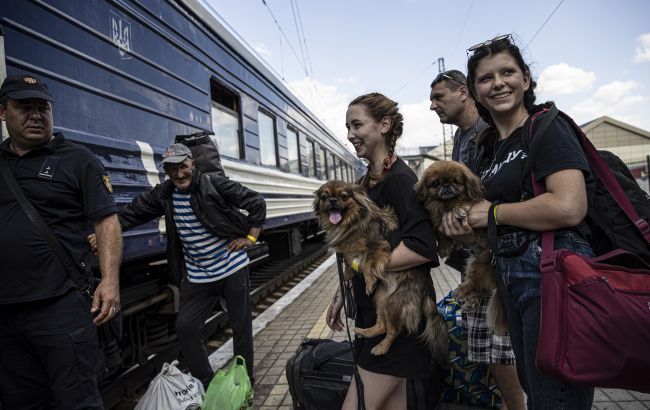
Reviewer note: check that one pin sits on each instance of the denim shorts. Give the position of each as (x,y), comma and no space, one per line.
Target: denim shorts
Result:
(528,263)
(519,283)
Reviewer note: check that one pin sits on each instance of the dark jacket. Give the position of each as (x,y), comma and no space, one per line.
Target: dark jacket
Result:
(216,201)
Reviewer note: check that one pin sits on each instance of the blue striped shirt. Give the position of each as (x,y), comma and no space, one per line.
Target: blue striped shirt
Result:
(206,257)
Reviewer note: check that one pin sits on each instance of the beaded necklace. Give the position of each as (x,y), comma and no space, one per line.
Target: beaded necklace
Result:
(372,179)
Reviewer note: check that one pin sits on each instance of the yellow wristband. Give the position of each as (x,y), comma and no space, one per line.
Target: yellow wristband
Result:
(494,211)
(252,238)
(355,264)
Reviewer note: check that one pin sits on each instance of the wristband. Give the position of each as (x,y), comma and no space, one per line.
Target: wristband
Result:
(252,238)
(355,264)
(494,211)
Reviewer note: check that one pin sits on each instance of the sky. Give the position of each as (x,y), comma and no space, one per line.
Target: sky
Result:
(592,57)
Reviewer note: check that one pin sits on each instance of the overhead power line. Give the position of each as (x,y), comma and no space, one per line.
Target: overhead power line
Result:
(412,79)
(543,24)
(293,50)
(304,39)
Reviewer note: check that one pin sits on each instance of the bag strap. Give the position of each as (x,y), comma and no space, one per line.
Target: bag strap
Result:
(361,405)
(46,232)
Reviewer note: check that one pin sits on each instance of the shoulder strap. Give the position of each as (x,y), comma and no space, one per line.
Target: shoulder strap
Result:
(40,223)
(531,145)
(361,404)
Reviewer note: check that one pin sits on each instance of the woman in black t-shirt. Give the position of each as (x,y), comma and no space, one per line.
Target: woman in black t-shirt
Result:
(374,124)
(502,86)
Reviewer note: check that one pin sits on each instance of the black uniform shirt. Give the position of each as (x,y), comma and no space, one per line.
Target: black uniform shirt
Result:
(69,187)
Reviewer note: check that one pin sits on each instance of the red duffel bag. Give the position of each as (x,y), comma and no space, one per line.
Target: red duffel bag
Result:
(595,326)
(595,314)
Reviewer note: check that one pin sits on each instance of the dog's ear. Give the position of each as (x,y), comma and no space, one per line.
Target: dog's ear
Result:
(475,189)
(361,197)
(421,189)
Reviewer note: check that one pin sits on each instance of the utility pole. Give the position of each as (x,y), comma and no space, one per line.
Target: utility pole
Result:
(441,69)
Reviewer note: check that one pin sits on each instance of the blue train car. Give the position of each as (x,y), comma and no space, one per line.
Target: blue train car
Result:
(130,75)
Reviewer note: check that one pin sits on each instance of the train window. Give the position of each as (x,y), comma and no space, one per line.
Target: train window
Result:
(322,174)
(311,159)
(225,120)
(266,123)
(293,151)
(331,167)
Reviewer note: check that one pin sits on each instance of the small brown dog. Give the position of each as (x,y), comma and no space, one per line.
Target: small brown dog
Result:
(357,227)
(452,186)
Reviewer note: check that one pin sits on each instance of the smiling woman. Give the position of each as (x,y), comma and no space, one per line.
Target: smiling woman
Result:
(374,124)
(503,88)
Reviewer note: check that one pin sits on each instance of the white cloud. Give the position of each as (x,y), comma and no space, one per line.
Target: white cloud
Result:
(352,80)
(263,50)
(618,99)
(328,102)
(564,79)
(643,49)
(421,126)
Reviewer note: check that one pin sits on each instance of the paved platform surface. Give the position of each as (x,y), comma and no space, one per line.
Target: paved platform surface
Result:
(305,317)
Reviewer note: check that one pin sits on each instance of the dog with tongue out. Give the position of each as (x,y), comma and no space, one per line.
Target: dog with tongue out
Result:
(356,227)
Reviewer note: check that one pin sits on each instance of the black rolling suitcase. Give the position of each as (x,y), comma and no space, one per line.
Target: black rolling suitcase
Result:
(319,374)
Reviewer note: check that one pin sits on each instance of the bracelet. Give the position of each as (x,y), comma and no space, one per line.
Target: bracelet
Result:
(355,264)
(252,238)
(494,211)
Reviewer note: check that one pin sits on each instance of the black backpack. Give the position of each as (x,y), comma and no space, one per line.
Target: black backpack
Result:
(204,151)
(319,374)
(607,226)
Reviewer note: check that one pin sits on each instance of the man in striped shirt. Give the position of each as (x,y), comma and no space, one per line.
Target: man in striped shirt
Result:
(207,237)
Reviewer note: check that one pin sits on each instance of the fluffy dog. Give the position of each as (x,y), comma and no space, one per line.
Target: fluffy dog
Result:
(357,227)
(451,186)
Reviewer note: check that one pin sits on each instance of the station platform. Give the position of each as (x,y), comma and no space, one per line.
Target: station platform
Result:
(301,314)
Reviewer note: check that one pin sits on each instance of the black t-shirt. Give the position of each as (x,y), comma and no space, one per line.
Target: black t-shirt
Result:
(397,191)
(501,170)
(69,187)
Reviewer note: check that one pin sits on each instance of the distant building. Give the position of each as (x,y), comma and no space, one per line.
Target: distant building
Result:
(630,143)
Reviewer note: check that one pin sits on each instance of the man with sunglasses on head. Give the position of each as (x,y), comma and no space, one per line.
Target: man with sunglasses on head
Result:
(451,100)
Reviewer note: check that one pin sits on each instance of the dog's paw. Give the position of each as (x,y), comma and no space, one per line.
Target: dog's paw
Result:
(380,349)
(371,284)
(463,291)
(360,332)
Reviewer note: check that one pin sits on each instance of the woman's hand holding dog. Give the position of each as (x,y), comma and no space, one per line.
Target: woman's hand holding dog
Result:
(461,229)
(333,317)
(478,214)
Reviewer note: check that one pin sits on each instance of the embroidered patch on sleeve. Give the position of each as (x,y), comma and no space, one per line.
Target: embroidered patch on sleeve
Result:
(107,183)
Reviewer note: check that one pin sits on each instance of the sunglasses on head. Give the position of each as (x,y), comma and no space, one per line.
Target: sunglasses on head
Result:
(486,43)
(445,76)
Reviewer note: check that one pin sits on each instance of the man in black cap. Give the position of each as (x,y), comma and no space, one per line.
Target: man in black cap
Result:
(48,336)
(207,237)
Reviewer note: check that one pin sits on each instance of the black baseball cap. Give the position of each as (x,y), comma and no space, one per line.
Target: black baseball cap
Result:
(22,87)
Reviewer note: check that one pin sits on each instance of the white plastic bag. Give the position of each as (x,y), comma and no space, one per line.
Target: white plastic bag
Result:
(172,390)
